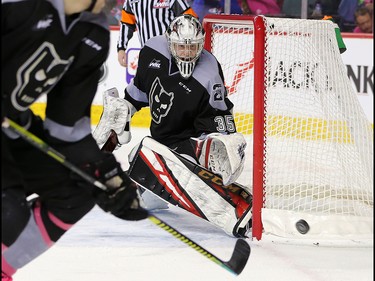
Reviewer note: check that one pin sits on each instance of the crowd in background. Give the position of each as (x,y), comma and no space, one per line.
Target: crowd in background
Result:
(350,15)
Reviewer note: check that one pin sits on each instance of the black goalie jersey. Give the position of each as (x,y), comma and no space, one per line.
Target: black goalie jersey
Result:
(180,108)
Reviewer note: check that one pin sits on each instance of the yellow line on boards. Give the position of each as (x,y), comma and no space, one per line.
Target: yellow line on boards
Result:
(310,129)
(140,118)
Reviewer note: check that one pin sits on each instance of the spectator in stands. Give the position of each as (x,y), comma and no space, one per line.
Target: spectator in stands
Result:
(292,8)
(369,5)
(316,9)
(363,19)
(113,14)
(203,7)
(235,8)
(346,11)
(260,7)
(330,7)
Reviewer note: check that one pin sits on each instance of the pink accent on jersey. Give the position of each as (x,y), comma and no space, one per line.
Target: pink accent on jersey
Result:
(58,222)
(40,224)
(6,270)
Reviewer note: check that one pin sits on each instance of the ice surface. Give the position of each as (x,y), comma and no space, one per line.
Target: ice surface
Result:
(103,248)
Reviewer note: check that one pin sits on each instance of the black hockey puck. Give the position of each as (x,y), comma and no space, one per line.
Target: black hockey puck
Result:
(302,226)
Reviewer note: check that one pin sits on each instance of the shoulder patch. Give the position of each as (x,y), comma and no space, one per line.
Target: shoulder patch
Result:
(155,64)
(218,92)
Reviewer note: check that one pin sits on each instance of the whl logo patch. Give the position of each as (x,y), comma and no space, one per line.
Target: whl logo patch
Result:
(159,4)
(43,23)
(154,64)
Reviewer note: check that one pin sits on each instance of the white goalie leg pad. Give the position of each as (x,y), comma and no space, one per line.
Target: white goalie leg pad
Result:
(224,155)
(149,200)
(116,116)
(216,209)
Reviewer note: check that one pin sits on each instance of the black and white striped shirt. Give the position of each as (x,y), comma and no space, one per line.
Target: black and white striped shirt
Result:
(149,17)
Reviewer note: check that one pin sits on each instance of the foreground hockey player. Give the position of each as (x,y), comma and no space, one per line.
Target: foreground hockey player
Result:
(191,115)
(53,47)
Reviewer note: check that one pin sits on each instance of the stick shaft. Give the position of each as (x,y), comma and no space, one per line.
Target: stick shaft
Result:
(40,144)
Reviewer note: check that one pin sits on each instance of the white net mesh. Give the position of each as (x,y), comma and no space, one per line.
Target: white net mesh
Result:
(318,141)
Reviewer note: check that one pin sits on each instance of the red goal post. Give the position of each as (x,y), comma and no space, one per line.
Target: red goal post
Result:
(310,145)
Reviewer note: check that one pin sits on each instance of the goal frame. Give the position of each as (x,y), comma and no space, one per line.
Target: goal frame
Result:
(257,23)
(258,130)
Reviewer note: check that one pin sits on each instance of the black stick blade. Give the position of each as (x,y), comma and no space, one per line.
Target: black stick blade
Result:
(240,256)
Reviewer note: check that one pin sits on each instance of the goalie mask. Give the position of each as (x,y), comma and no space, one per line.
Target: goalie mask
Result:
(185,38)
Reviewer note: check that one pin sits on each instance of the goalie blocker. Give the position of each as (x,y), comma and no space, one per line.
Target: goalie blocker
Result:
(185,184)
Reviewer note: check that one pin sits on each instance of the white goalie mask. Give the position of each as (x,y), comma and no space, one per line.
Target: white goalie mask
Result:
(185,38)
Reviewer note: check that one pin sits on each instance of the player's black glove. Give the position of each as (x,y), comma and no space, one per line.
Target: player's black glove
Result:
(122,197)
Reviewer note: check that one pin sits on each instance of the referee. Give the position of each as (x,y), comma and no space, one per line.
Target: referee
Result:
(150,18)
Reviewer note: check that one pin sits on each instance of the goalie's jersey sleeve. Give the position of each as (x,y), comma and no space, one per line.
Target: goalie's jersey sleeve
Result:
(44,53)
(180,108)
(149,17)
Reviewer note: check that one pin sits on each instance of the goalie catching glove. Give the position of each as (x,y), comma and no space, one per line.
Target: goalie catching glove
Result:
(116,116)
(122,198)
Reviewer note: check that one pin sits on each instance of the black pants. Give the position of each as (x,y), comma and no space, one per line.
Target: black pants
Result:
(185,147)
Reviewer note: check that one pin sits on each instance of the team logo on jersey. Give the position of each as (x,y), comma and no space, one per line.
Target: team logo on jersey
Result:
(154,64)
(160,101)
(160,4)
(38,75)
(217,91)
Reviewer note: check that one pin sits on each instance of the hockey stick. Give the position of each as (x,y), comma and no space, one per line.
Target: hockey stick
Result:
(236,263)
(241,250)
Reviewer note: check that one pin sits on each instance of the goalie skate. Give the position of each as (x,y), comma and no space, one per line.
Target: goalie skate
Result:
(152,202)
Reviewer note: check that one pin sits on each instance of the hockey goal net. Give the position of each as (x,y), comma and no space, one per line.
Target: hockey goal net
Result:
(310,145)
